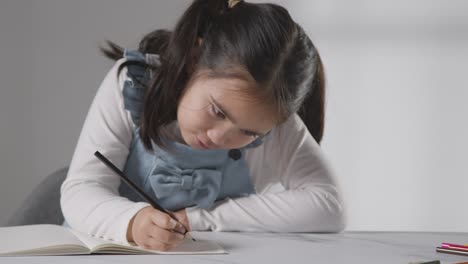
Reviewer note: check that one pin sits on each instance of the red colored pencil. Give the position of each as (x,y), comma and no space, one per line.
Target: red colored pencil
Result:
(450,245)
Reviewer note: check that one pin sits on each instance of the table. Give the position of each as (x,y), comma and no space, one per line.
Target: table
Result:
(347,247)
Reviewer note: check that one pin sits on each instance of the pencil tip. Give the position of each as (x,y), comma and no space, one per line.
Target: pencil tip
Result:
(190,236)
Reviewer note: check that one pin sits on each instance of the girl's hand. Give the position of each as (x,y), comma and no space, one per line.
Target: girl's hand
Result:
(181,216)
(153,229)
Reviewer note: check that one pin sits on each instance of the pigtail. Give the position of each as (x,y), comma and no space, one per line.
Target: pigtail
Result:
(155,42)
(312,110)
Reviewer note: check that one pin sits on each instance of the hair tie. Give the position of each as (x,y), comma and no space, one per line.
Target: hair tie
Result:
(232,3)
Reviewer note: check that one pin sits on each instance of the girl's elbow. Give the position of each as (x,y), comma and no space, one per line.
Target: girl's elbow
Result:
(330,216)
(336,218)
(337,222)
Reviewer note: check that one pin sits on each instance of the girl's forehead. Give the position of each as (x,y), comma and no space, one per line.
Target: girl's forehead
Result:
(232,91)
(229,86)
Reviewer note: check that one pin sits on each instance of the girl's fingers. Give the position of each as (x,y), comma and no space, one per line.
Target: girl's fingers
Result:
(163,220)
(181,216)
(166,236)
(154,244)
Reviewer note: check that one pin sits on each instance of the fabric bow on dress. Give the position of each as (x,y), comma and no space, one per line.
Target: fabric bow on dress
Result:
(201,186)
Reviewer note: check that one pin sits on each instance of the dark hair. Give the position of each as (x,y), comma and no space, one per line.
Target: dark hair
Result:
(258,40)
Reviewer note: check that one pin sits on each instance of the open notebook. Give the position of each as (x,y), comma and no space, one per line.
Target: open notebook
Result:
(47,239)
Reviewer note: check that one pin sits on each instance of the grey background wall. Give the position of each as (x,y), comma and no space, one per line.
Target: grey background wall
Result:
(396,114)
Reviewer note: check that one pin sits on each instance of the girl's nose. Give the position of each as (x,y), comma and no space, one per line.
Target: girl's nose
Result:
(220,136)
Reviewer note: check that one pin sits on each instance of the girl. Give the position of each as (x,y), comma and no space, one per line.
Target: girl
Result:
(219,121)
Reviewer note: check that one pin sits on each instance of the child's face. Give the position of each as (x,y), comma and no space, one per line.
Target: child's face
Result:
(202,110)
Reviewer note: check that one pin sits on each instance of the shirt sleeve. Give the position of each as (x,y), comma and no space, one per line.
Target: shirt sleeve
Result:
(309,201)
(90,199)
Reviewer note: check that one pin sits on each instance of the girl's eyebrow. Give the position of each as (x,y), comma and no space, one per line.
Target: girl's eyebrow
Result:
(225,113)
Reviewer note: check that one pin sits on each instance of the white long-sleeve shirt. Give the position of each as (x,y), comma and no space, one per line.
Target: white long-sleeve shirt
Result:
(295,187)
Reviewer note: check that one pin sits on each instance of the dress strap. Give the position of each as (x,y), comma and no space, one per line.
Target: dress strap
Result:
(139,74)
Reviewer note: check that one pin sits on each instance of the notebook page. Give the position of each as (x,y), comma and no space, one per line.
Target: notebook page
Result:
(39,238)
(91,242)
(187,247)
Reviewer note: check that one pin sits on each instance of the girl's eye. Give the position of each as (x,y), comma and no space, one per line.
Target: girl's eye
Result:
(217,112)
(250,134)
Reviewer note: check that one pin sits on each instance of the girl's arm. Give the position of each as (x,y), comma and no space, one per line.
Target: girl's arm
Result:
(89,196)
(309,202)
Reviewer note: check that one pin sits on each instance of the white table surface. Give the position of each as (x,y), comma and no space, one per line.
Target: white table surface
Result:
(347,247)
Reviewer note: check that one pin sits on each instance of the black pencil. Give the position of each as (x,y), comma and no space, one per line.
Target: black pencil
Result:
(135,187)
